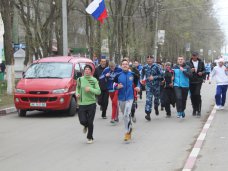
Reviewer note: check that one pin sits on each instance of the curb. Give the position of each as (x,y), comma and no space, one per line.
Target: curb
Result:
(191,161)
(7,111)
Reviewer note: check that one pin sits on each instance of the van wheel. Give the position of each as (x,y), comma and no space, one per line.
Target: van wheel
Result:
(72,108)
(21,113)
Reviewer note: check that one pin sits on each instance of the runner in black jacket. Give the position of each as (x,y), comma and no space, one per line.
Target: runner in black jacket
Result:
(103,97)
(198,71)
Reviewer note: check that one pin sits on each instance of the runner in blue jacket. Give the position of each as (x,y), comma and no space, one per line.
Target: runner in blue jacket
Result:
(182,72)
(124,83)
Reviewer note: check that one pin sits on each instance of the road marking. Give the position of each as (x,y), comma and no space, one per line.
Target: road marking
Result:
(191,161)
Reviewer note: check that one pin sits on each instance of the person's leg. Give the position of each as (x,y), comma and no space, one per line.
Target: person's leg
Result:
(149,99)
(127,116)
(192,89)
(198,98)
(116,106)
(218,95)
(104,103)
(114,96)
(90,115)
(156,93)
(178,95)
(224,90)
(167,101)
(82,115)
(184,98)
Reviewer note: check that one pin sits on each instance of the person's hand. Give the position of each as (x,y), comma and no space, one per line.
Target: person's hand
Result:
(171,85)
(119,86)
(193,70)
(181,68)
(142,82)
(200,73)
(87,89)
(78,95)
(107,75)
(151,78)
(137,89)
(226,69)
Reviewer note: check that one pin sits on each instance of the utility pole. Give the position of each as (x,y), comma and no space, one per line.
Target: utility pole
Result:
(156,33)
(64,26)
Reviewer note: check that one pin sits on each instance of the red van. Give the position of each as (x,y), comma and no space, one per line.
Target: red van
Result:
(50,84)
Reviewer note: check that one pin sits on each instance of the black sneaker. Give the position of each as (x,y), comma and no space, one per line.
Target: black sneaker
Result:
(148,117)
(194,113)
(156,111)
(198,114)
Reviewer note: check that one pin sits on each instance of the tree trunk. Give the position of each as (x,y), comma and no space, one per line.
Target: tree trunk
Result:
(6,9)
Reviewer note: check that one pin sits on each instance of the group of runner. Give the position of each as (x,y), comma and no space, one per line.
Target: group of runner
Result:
(168,85)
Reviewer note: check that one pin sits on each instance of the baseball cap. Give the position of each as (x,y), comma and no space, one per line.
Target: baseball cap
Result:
(195,53)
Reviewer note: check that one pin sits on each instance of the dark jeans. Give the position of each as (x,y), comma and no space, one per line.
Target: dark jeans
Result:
(103,101)
(181,94)
(220,96)
(195,96)
(169,99)
(86,114)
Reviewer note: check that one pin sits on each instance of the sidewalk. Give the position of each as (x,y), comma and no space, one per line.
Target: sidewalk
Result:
(7,110)
(214,152)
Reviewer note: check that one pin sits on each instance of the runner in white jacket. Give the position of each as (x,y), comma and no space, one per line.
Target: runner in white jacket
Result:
(220,75)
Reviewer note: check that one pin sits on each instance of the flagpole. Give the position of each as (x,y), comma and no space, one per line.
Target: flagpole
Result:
(64,26)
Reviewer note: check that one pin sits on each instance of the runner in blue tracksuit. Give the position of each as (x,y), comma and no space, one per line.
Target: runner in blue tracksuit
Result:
(152,74)
(109,74)
(124,83)
(182,72)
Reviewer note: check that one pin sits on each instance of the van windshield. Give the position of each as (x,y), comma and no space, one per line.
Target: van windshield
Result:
(49,70)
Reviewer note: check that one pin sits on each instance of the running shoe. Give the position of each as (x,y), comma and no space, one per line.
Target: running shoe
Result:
(89,141)
(84,130)
(133,119)
(148,117)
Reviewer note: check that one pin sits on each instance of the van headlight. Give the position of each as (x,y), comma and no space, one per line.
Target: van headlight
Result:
(21,91)
(59,91)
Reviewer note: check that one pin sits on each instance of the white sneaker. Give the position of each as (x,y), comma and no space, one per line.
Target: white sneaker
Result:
(134,119)
(90,141)
(222,107)
(218,107)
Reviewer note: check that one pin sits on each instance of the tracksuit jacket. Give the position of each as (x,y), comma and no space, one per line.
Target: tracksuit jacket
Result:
(181,78)
(127,79)
(110,79)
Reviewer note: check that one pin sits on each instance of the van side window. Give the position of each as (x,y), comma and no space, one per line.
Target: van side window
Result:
(77,71)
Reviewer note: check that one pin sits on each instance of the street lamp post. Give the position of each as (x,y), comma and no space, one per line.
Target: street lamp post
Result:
(156,33)
(64,26)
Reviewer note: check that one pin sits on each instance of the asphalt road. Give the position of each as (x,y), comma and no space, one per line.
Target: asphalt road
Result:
(53,142)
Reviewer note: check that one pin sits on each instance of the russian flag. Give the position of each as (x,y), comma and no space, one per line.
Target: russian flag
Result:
(98,10)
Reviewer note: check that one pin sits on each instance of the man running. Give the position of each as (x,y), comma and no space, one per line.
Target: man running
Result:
(103,97)
(86,91)
(124,83)
(152,74)
(182,72)
(109,74)
(198,75)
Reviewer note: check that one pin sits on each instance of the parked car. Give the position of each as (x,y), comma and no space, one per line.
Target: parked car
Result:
(49,84)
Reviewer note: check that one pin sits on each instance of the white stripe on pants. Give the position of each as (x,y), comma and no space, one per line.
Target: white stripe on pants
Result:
(125,108)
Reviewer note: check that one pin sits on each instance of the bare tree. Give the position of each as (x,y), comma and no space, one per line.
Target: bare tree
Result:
(7,13)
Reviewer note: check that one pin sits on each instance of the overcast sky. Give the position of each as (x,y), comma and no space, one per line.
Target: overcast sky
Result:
(221,9)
